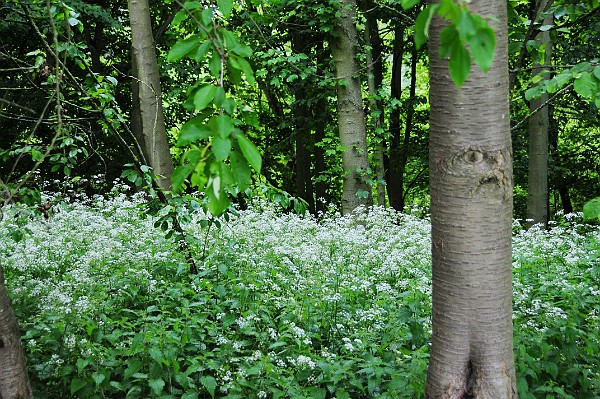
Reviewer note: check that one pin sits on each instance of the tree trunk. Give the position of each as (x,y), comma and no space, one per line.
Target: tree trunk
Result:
(405,147)
(14,383)
(539,123)
(374,80)
(395,189)
(471,217)
(148,120)
(351,118)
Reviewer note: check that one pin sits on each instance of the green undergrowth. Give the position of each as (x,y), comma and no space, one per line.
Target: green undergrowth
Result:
(284,306)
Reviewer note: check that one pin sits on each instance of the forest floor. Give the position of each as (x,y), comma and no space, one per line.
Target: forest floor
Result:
(284,305)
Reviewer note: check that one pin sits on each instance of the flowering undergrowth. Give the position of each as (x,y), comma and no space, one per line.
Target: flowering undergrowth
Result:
(284,306)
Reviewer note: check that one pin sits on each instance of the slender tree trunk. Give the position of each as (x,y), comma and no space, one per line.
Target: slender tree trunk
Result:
(405,147)
(539,123)
(374,80)
(148,119)
(14,383)
(351,117)
(395,185)
(471,216)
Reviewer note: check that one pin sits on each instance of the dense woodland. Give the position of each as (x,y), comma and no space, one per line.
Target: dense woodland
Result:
(188,193)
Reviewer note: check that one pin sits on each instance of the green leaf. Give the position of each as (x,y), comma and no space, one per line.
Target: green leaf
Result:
(449,40)
(204,96)
(157,385)
(77,384)
(597,72)
(98,378)
(466,26)
(221,147)
(207,16)
(222,124)
(406,4)
(192,131)
(209,383)
(202,50)
(225,6)
(250,152)
(459,65)
(183,47)
(214,65)
(180,173)
(240,169)
(558,81)
(245,67)
(422,24)
(586,85)
(591,210)
(134,365)
(482,46)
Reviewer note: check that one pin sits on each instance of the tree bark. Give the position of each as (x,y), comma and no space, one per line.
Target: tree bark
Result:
(539,123)
(351,118)
(471,216)
(148,120)
(14,383)
(395,184)
(374,81)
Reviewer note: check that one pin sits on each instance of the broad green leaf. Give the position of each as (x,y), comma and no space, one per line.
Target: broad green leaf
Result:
(204,96)
(98,378)
(134,365)
(218,202)
(449,40)
(180,173)
(222,124)
(459,64)
(466,27)
(250,152)
(192,131)
(597,72)
(183,47)
(450,10)
(77,384)
(219,96)
(247,69)
(406,4)
(221,148)
(209,383)
(422,24)
(591,210)
(157,385)
(202,50)
(559,81)
(225,6)
(586,85)
(214,65)
(207,16)
(482,46)
(240,169)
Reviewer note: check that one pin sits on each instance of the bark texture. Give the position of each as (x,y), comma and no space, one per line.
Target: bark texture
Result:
(14,383)
(539,124)
(351,117)
(471,216)
(148,119)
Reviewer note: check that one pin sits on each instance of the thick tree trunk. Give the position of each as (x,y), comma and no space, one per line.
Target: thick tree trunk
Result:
(351,117)
(471,216)
(539,123)
(148,120)
(395,184)
(14,383)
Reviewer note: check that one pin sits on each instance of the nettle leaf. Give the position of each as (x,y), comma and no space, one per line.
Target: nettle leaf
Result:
(183,47)
(422,24)
(204,96)
(221,148)
(586,85)
(482,46)
(157,385)
(209,383)
(250,152)
(225,6)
